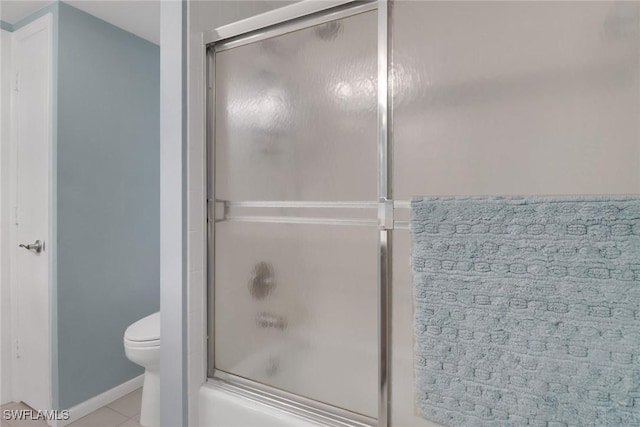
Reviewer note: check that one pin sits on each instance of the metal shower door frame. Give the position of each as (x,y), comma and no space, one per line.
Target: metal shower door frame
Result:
(281,21)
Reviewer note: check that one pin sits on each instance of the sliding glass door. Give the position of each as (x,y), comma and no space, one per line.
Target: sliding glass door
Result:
(294,256)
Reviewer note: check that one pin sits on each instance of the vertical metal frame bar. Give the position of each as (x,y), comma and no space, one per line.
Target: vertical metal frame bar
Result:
(385,234)
(210,86)
(383,177)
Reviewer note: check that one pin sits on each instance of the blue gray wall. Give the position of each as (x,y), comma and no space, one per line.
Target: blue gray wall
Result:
(108,198)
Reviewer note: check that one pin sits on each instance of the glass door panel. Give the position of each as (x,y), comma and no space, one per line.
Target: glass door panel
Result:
(296,115)
(296,309)
(295,281)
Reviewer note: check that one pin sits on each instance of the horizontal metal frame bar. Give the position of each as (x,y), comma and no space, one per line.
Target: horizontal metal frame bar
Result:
(397,225)
(287,402)
(281,21)
(298,220)
(397,204)
(302,205)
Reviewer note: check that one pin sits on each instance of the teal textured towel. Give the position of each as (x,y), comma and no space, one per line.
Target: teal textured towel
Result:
(527,311)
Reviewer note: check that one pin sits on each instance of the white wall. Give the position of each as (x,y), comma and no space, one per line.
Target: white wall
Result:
(172,363)
(5,296)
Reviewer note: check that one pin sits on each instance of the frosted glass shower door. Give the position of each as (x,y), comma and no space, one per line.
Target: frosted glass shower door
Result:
(295,281)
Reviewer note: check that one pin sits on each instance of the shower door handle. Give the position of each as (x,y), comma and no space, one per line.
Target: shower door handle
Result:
(36,246)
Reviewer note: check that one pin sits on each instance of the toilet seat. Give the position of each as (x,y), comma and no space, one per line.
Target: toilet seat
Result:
(144,333)
(141,344)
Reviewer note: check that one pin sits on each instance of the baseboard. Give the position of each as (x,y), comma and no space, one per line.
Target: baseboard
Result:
(103,399)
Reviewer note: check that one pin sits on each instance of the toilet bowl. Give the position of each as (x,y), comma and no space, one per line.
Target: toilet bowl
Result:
(142,347)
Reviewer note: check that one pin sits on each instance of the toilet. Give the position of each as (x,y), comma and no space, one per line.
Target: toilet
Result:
(142,347)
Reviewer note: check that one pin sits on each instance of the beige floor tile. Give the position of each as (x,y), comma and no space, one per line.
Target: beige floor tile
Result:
(130,423)
(128,405)
(3,422)
(27,423)
(103,417)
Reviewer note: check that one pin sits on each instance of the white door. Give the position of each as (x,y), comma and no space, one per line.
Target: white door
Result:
(32,142)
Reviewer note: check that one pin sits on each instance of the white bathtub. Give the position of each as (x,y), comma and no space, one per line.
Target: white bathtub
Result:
(218,408)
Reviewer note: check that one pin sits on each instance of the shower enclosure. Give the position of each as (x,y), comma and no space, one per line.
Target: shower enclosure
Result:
(325,118)
(299,161)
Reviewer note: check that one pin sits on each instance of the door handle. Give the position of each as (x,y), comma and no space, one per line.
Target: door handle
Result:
(37,246)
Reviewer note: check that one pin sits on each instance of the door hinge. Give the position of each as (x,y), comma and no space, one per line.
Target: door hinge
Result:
(17,83)
(17,349)
(15,215)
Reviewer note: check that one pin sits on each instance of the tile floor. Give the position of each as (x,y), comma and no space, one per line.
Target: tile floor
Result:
(124,412)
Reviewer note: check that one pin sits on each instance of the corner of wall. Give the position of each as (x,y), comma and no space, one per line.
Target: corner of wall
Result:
(6,379)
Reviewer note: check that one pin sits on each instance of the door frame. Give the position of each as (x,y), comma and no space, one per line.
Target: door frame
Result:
(44,23)
(280,21)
